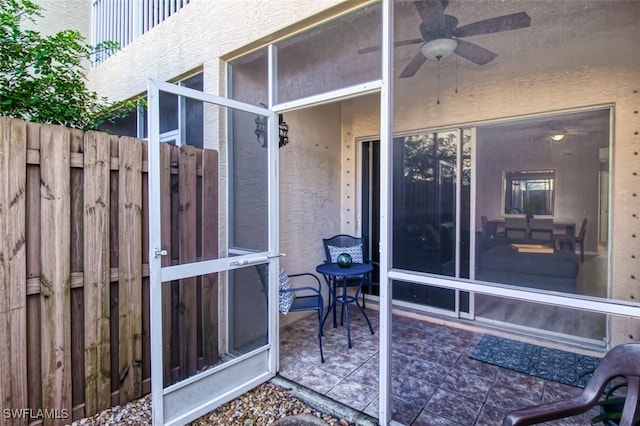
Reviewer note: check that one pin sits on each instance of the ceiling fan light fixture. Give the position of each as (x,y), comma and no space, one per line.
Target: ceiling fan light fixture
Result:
(439,48)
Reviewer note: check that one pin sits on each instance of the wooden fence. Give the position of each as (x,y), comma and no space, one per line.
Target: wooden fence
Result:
(74,275)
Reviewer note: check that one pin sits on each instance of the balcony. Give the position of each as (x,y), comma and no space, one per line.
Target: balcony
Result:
(123,21)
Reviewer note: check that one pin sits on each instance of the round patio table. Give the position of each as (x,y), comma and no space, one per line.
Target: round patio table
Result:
(337,276)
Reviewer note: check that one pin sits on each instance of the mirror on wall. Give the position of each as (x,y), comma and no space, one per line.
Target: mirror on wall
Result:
(529,192)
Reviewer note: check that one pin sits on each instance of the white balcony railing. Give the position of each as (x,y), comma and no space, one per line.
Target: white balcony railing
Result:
(123,21)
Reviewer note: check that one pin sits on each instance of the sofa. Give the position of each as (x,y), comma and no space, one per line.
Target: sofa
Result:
(499,262)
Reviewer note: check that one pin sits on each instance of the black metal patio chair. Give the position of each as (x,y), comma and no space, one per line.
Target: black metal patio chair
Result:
(302,298)
(354,246)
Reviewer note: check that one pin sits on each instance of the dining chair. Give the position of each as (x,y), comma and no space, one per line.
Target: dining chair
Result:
(569,242)
(302,297)
(354,246)
(623,361)
(541,229)
(515,228)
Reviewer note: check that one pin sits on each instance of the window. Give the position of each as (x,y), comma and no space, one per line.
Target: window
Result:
(529,192)
(181,120)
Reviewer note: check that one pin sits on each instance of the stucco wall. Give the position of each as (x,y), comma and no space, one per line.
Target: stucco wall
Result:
(63,15)
(310,184)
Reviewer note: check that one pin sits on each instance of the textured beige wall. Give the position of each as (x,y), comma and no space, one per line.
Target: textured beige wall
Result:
(64,15)
(310,184)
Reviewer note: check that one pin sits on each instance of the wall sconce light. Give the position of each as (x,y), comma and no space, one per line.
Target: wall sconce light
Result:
(261,134)
(283,130)
(261,124)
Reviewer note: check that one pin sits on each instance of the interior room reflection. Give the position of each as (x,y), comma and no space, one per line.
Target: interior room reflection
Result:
(542,216)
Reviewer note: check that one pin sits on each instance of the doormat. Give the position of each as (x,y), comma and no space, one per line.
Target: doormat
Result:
(550,364)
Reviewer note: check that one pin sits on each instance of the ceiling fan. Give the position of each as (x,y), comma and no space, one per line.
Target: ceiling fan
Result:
(559,134)
(441,35)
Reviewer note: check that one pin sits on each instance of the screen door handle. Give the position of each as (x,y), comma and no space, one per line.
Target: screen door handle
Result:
(157,252)
(251,261)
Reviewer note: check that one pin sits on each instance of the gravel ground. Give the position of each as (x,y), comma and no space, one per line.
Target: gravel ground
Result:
(263,405)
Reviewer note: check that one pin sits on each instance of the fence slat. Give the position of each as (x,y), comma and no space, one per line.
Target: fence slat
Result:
(76,259)
(188,237)
(210,251)
(146,282)
(55,272)
(114,256)
(13,317)
(174,234)
(77,202)
(130,269)
(96,272)
(34,366)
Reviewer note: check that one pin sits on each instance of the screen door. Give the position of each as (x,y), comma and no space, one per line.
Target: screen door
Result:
(213,255)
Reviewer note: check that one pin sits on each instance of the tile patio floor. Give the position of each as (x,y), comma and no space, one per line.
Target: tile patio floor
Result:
(434,381)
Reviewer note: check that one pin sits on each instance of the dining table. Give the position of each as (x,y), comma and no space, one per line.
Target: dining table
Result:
(534,229)
(338,279)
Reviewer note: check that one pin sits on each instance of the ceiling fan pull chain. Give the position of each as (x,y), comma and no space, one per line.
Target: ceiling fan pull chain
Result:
(438,81)
(456,75)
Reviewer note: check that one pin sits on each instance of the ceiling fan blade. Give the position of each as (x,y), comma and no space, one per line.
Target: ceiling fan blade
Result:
(474,53)
(432,13)
(413,66)
(494,25)
(396,44)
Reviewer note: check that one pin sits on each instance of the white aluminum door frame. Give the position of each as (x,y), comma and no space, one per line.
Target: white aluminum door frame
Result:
(188,399)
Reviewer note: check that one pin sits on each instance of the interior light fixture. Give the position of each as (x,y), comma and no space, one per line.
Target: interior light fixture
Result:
(439,48)
(557,137)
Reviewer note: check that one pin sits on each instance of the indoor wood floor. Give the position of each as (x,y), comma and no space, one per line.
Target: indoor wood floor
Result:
(562,322)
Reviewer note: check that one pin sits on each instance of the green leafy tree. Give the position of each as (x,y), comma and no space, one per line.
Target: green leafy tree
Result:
(42,78)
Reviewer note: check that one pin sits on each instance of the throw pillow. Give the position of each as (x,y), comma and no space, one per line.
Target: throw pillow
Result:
(354,251)
(285,298)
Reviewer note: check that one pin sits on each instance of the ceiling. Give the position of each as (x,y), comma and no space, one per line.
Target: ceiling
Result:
(557,27)
(591,124)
